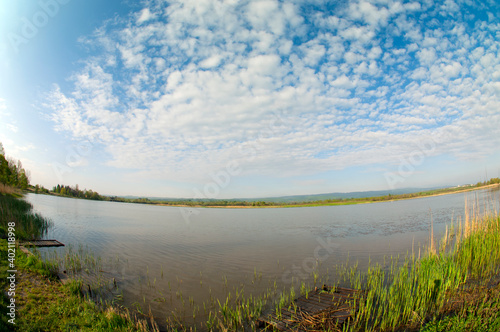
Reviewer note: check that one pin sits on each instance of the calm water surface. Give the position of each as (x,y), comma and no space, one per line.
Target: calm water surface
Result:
(194,256)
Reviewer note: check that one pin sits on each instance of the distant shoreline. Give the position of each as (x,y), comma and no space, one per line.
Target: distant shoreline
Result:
(236,204)
(313,204)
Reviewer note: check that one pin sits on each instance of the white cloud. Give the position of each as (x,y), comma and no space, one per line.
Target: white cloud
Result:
(360,34)
(264,64)
(180,90)
(313,53)
(211,62)
(6,117)
(452,70)
(488,60)
(14,150)
(369,13)
(427,56)
(3,108)
(343,82)
(12,127)
(449,7)
(144,16)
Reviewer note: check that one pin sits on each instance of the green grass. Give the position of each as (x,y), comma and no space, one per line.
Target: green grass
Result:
(55,307)
(4,301)
(44,304)
(477,310)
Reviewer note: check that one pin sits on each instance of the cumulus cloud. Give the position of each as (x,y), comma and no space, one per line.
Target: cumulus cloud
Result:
(181,88)
(144,15)
(3,108)
(6,117)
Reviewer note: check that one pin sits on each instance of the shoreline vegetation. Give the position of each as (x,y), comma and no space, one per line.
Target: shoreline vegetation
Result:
(42,302)
(75,192)
(450,285)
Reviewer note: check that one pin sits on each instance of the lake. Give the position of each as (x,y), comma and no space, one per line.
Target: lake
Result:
(162,257)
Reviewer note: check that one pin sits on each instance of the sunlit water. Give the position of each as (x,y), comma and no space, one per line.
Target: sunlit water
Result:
(161,256)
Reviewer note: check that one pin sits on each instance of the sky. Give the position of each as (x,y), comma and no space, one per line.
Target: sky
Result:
(227,99)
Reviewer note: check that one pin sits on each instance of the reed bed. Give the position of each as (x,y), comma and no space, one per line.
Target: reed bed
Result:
(28,224)
(414,290)
(8,190)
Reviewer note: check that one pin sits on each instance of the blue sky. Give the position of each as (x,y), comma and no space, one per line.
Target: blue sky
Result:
(220,99)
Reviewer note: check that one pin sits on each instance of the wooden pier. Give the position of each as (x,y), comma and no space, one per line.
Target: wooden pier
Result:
(38,243)
(41,243)
(326,305)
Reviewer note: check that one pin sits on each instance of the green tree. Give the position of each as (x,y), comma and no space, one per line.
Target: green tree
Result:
(23,176)
(12,172)
(12,181)
(23,179)
(4,170)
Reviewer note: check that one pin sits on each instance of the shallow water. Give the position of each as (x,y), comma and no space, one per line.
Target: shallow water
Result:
(194,251)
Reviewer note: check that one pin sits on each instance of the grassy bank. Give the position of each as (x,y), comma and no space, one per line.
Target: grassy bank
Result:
(42,302)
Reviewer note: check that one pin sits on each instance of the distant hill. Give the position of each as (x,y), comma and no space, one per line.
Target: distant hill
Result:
(306,198)
(320,197)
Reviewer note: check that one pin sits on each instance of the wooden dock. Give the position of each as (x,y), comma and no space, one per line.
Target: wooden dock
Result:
(41,243)
(319,306)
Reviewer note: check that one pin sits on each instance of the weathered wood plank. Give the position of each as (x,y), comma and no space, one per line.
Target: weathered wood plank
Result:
(41,243)
(334,304)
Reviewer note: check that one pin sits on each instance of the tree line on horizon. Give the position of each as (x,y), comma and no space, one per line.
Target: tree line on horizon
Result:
(68,191)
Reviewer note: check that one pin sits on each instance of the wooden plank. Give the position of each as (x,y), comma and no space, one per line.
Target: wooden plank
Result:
(314,304)
(317,301)
(281,325)
(330,297)
(335,298)
(42,243)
